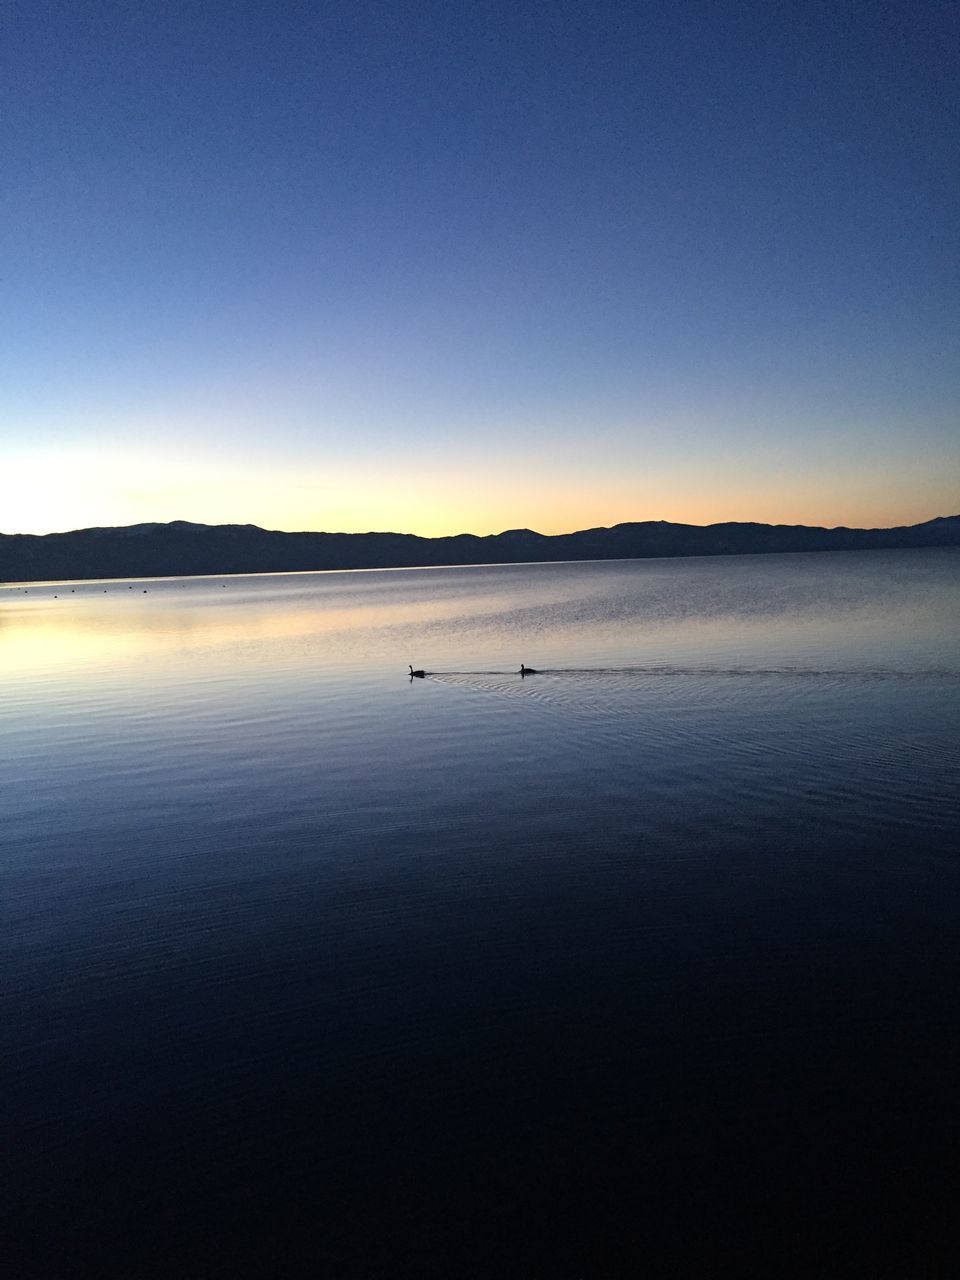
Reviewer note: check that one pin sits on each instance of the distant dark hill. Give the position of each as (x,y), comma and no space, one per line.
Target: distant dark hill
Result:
(180,549)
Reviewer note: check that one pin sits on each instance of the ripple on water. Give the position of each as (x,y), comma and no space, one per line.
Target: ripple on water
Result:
(280,928)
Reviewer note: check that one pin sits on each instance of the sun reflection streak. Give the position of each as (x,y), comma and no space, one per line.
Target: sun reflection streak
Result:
(50,633)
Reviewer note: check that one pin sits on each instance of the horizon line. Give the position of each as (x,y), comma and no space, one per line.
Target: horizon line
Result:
(366,533)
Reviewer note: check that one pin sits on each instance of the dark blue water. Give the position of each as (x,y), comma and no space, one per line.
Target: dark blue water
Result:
(646,964)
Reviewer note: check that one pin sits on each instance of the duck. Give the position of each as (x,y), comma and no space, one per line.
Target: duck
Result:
(528,671)
(419,675)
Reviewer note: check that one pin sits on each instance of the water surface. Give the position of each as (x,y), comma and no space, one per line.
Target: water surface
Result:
(647,959)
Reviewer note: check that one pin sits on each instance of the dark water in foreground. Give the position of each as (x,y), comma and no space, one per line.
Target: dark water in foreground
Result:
(645,965)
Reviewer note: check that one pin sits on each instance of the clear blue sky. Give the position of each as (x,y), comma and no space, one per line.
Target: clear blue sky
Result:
(453,266)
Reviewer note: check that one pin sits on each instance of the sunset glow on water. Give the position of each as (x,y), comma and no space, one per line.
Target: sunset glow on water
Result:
(294,944)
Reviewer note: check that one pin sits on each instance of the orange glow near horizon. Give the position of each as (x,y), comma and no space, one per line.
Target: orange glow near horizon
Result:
(64,492)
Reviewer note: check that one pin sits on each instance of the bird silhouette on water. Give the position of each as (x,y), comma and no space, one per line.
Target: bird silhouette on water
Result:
(416,675)
(528,671)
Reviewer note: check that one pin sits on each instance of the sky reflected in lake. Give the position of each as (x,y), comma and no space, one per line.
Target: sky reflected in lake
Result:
(605,960)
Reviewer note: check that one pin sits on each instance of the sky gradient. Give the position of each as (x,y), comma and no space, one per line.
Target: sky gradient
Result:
(441,268)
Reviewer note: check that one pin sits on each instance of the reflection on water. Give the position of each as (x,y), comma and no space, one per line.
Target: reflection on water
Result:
(317,970)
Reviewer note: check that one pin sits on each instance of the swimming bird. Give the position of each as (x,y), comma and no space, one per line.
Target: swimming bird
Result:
(528,671)
(416,674)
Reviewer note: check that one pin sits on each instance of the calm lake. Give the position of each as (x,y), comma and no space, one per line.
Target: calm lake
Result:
(646,964)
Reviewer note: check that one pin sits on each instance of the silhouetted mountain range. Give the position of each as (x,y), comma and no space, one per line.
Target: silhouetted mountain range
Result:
(180,548)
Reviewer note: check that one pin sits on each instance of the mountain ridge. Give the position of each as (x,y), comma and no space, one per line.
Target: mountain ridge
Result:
(183,548)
